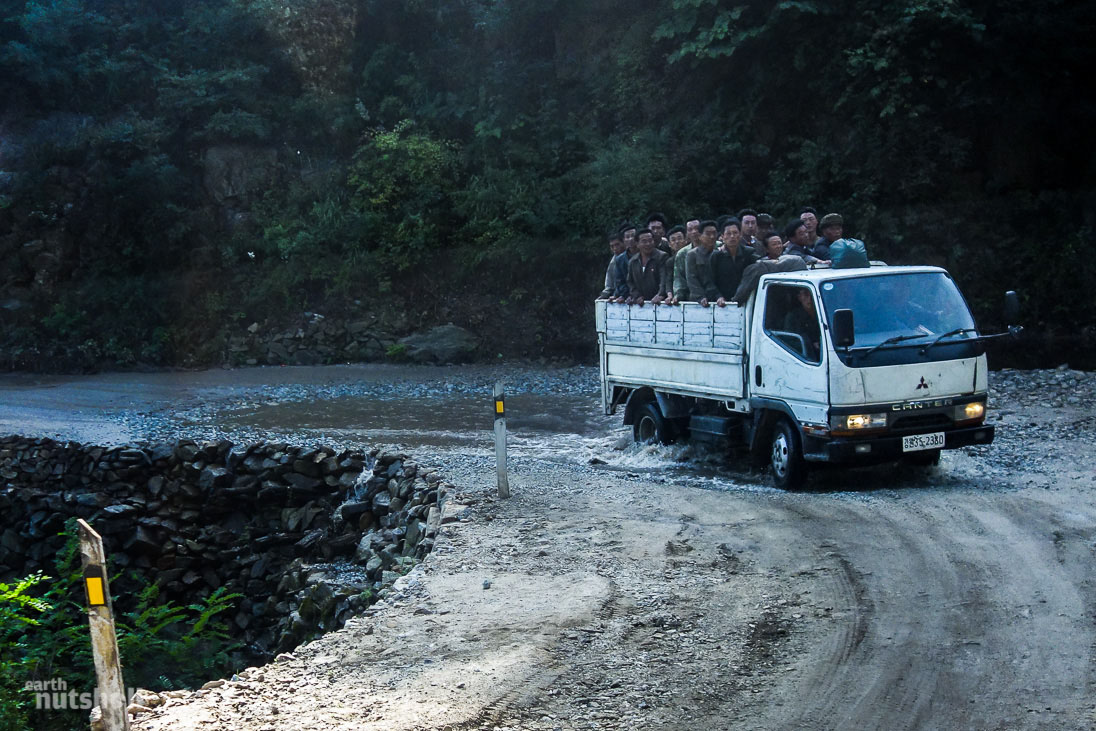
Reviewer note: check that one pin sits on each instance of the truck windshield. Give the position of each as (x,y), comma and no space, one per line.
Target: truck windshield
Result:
(903,312)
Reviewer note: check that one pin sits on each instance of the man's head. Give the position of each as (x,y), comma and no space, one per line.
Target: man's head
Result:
(657,223)
(708,233)
(731,235)
(832,227)
(677,238)
(774,245)
(628,232)
(692,231)
(748,217)
(796,232)
(645,242)
(765,225)
(616,243)
(805,300)
(809,216)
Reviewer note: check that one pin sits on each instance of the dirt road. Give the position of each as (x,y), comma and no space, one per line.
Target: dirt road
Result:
(616,597)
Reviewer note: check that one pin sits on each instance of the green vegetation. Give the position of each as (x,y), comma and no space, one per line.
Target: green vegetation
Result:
(44,635)
(397,154)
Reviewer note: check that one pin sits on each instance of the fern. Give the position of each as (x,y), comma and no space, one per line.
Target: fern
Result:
(44,634)
(18,601)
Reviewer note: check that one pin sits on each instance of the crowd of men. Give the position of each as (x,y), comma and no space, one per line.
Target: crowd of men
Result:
(704,261)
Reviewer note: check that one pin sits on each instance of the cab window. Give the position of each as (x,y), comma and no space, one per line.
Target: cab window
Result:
(791,319)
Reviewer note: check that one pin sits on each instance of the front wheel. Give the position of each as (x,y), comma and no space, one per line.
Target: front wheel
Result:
(651,426)
(786,457)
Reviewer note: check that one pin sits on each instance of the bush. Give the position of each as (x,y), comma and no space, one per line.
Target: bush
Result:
(44,635)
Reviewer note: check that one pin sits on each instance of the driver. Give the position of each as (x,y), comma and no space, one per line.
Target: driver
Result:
(803,320)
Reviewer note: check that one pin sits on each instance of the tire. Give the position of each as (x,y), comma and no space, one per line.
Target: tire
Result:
(927,458)
(651,427)
(786,457)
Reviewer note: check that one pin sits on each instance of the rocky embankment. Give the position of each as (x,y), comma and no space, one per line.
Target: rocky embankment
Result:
(315,340)
(308,535)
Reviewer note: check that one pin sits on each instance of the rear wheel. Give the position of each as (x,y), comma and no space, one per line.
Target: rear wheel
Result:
(786,457)
(651,426)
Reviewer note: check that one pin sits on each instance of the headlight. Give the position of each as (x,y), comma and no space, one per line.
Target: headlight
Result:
(860,421)
(970,412)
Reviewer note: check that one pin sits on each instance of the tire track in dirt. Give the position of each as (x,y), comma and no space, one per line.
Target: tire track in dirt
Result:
(950,611)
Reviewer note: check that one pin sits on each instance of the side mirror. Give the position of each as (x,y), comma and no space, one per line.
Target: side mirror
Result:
(842,328)
(1012,307)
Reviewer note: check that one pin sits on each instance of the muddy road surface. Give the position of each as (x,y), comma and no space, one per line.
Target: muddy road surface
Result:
(626,587)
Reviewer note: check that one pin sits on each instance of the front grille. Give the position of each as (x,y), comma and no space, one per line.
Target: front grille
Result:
(920,422)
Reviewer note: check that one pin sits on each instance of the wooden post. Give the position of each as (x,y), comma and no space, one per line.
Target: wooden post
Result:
(500,441)
(104,641)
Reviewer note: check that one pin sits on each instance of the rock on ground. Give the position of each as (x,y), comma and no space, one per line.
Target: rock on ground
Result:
(442,344)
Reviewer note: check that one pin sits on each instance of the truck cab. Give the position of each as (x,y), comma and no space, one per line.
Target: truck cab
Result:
(844,367)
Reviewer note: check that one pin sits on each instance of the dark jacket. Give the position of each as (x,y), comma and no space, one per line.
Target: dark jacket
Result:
(727,270)
(610,280)
(657,278)
(620,262)
(821,249)
(801,252)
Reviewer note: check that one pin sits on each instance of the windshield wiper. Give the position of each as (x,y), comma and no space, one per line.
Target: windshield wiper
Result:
(892,341)
(956,331)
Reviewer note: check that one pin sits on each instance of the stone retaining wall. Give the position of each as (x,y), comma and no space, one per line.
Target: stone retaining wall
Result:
(308,536)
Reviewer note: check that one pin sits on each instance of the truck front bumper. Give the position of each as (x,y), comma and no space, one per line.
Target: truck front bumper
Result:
(844,450)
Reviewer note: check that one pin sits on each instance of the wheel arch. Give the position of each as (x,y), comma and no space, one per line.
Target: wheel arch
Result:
(766,413)
(636,401)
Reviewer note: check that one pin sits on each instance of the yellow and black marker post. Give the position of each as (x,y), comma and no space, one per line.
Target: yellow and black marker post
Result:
(95,586)
(500,441)
(104,641)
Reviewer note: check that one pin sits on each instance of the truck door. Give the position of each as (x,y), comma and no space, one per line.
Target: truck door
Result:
(788,358)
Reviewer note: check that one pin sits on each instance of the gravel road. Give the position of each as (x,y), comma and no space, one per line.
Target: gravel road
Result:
(623,596)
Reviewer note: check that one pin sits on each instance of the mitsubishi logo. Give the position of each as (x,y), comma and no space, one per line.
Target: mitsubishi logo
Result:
(922,384)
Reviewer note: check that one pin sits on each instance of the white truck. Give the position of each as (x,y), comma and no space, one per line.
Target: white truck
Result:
(839,366)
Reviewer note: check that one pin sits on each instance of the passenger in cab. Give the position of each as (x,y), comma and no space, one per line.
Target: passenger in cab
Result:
(802,319)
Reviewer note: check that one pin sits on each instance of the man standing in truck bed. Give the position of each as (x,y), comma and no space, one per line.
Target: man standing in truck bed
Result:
(698,266)
(649,272)
(729,262)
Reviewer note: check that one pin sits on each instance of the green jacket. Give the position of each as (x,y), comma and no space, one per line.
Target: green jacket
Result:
(681,286)
(698,275)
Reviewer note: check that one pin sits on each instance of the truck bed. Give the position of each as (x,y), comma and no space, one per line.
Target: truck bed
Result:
(682,349)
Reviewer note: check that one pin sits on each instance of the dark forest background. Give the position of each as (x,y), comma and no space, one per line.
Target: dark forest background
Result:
(173,172)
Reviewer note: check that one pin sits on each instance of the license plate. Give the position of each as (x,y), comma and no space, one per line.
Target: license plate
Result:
(919,442)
